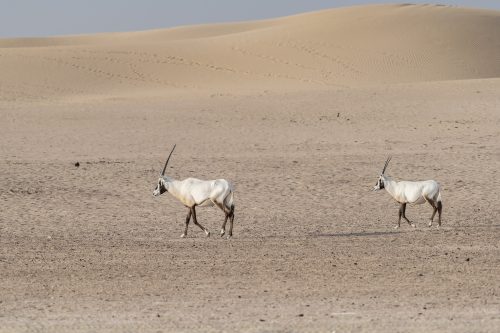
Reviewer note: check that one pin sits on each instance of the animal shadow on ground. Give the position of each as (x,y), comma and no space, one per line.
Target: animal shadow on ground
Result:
(357,234)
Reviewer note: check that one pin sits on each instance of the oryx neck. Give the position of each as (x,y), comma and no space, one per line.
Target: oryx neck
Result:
(389,185)
(167,179)
(172,186)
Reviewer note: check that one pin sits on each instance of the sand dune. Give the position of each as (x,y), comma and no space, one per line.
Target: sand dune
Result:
(347,47)
(299,113)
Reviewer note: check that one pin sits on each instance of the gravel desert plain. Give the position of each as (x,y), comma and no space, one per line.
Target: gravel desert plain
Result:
(299,113)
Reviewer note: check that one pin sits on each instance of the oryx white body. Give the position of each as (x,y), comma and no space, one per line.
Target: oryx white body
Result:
(196,192)
(192,192)
(412,192)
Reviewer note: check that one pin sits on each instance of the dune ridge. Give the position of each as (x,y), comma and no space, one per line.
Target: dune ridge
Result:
(343,46)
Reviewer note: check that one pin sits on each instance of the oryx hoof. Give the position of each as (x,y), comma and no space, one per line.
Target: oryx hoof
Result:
(413,225)
(183,236)
(207,233)
(396,227)
(222,233)
(430,224)
(229,236)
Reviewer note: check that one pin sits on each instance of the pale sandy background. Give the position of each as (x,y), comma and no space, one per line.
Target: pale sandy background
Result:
(300,114)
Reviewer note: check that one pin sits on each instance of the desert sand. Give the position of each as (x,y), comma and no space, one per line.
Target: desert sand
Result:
(300,114)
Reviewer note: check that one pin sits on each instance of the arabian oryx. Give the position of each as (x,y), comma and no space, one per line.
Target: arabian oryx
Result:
(406,192)
(193,192)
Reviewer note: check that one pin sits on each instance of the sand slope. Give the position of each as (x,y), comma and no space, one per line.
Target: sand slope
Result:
(347,46)
(300,114)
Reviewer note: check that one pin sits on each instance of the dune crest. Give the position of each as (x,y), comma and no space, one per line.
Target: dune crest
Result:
(345,46)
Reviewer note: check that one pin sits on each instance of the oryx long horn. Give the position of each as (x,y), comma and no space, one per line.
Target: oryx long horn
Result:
(386,164)
(165,167)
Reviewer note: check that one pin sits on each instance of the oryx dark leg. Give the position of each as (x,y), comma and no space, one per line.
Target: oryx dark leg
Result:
(439,209)
(403,206)
(226,213)
(195,221)
(231,219)
(188,217)
(223,229)
(400,214)
(433,212)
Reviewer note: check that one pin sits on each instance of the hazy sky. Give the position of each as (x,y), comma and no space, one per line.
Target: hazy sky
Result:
(24,18)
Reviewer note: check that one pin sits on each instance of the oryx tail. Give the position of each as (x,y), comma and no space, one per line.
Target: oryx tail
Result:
(229,200)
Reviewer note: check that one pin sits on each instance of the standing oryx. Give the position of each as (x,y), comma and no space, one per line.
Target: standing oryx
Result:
(193,192)
(411,192)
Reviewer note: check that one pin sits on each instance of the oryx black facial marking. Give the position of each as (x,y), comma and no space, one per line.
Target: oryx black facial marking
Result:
(161,186)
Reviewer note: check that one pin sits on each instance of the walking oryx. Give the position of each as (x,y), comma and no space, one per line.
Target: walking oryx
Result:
(411,192)
(193,192)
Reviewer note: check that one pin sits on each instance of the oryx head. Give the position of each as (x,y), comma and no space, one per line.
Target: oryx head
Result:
(161,187)
(380,182)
